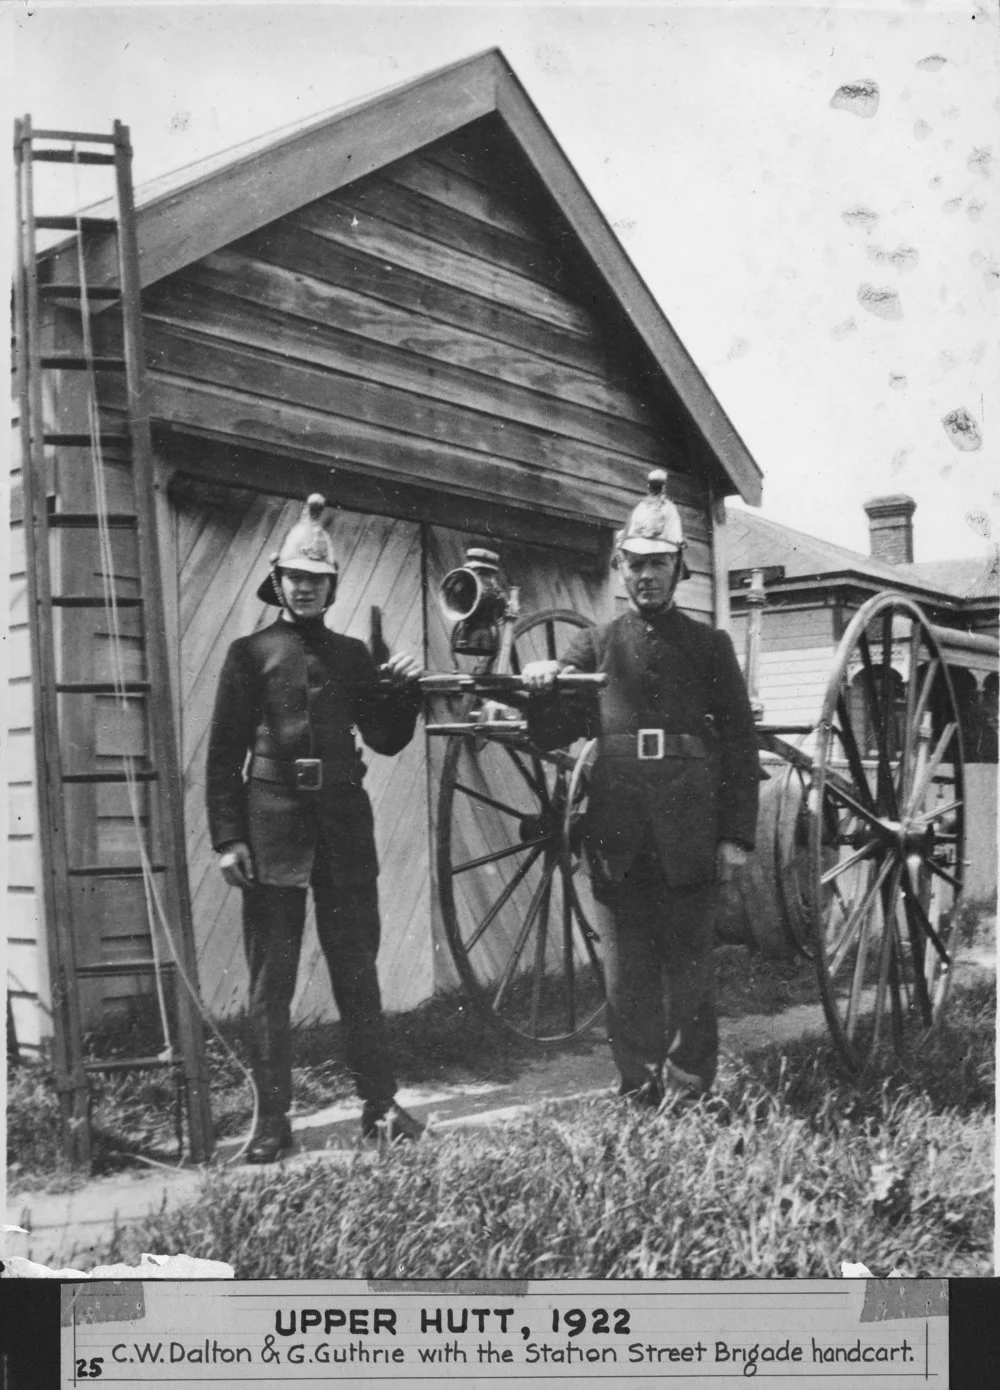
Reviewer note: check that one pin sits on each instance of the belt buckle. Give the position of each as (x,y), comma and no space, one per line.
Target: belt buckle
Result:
(649,745)
(308,774)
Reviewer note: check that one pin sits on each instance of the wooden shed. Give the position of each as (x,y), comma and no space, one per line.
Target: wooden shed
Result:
(413,306)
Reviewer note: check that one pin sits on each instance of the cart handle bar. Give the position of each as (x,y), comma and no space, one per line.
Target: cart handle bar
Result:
(460,683)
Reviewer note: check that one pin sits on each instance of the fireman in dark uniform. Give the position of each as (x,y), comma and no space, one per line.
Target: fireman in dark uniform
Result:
(287,812)
(672,808)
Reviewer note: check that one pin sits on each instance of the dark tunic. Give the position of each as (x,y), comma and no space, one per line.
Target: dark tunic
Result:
(299,691)
(673,674)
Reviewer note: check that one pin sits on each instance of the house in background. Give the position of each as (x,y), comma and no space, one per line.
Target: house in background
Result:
(813,588)
(414,307)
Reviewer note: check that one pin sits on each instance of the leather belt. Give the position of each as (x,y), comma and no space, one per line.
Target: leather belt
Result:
(308,774)
(652,745)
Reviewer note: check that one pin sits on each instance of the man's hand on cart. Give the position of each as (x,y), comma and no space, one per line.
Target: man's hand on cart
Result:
(236,863)
(541,675)
(402,669)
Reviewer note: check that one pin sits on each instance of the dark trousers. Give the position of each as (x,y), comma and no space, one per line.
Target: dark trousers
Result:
(659,969)
(347,925)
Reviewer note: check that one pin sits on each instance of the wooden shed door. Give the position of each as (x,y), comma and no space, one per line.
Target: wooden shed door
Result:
(223,539)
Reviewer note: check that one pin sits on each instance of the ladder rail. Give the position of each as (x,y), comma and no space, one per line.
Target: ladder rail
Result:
(169,901)
(53,854)
(161,678)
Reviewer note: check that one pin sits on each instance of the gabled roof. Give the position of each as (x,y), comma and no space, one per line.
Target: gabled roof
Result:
(185,216)
(756,542)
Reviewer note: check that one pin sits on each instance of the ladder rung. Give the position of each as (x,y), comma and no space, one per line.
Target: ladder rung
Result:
(131,1064)
(68,157)
(102,688)
(76,292)
(146,965)
(84,601)
(69,361)
(114,870)
(83,441)
(78,778)
(70,224)
(82,520)
(74,135)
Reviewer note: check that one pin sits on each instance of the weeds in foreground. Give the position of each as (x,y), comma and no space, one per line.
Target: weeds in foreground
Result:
(788,1170)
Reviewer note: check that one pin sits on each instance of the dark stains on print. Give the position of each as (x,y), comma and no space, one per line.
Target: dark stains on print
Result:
(860,216)
(963,430)
(902,259)
(883,303)
(860,98)
(933,63)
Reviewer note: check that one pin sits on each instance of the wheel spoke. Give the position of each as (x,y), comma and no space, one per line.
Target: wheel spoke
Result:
(943,808)
(836,958)
(505,897)
(887,720)
(912,897)
(512,753)
(844,864)
(943,874)
(522,939)
(913,910)
(490,801)
(933,763)
(887,791)
(853,753)
(910,726)
(886,958)
(550,640)
(541,941)
(498,854)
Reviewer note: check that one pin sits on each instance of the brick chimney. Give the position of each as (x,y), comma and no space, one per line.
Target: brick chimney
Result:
(890,528)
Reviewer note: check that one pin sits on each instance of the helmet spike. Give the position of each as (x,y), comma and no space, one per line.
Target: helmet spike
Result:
(315,503)
(656,483)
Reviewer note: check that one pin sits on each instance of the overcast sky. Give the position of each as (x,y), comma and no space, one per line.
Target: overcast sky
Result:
(712,137)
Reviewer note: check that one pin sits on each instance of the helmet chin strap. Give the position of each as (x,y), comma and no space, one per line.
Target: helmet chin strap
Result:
(279,594)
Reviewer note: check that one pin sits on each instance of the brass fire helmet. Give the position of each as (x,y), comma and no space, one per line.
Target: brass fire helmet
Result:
(307,547)
(654,528)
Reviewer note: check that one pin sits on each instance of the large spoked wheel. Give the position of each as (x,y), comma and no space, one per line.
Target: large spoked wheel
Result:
(886,812)
(515,902)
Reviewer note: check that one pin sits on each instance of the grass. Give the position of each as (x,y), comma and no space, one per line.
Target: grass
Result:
(134,1114)
(788,1170)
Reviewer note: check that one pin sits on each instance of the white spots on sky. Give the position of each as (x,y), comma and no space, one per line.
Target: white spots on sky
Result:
(949,144)
(625,228)
(980,161)
(899,461)
(921,130)
(860,98)
(787,271)
(897,381)
(945,472)
(181,120)
(978,352)
(935,182)
(934,62)
(962,429)
(979,522)
(882,302)
(860,216)
(840,331)
(829,256)
(952,113)
(738,348)
(974,210)
(903,258)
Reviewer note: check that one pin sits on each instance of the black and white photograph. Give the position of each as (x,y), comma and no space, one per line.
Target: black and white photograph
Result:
(502,649)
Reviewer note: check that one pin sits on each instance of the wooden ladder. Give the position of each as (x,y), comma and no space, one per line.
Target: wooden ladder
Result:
(115,891)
